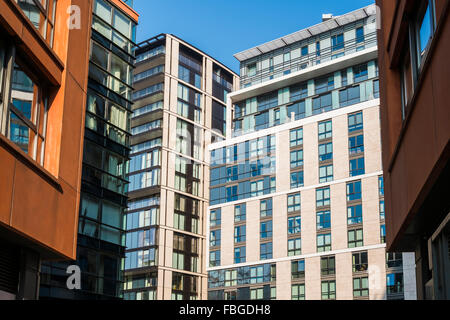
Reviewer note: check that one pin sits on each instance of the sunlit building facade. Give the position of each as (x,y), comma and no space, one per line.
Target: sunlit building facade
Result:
(179,109)
(296,189)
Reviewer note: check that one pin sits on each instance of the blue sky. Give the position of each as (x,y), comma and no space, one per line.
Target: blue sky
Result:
(222,28)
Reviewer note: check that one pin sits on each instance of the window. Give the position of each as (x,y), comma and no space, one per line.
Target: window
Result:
(296,158)
(360,35)
(354,214)
(323,220)
(328,290)
(326,151)
(349,96)
(337,42)
(26,111)
(357,167)
(381,186)
(214,258)
(355,122)
(361,287)
(293,202)
(324,242)
(298,292)
(318,48)
(266,230)
(251,69)
(394,260)
(294,225)
(323,197)
(356,144)
(326,173)
(304,51)
(287,57)
(394,283)
(239,234)
(297,179)
(355,238)
(382,214)
(215,218)
(298,269)
(424,28)
(214,237)
(232,193)
(324,84)
(360,73)
(322,104)
(230,278)
(294,247)
(239,213)
(354,190)
(376,89)
(296,136)
(42,16)
(327,266)
(265,208)
(325,130)
(239,255)
(383,233)
(266,251)
(257,294)
(359,262)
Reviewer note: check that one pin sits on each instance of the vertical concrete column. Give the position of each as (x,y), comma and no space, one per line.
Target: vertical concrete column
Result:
(338,216)
(340,147)
(227,236)
(279,227)
(371,213)
(312,279)
(377,274)
(253,241)
(308,207)
(344,283)
(311,154)
(284,280)
(372,139)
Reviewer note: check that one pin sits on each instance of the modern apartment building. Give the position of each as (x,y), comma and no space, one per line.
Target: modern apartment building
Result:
(415,126)
(101,227)
(179,109)
(43,86)
(297,193)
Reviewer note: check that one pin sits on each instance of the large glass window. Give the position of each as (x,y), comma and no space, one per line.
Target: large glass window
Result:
(42,15)
(325,130)
(328,290)
(294,247)
(354,214)
(26,109)
(266,230)
(323,219)
(324,242)
(293,202)
(355,238)
(294,225)
(296,137)
(323,197)
(424,29)
(357,167)
(239,234)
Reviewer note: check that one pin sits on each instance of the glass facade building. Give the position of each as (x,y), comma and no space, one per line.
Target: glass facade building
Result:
(299,177)
(104,184)
(179,109)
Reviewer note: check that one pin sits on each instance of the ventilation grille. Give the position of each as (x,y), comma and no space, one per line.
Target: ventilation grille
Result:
(9,268)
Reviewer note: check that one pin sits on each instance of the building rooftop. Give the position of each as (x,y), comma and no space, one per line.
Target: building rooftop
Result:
(317,29)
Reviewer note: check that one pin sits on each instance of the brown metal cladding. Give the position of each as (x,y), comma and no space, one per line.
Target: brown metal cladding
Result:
(415,150)
(39,203)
